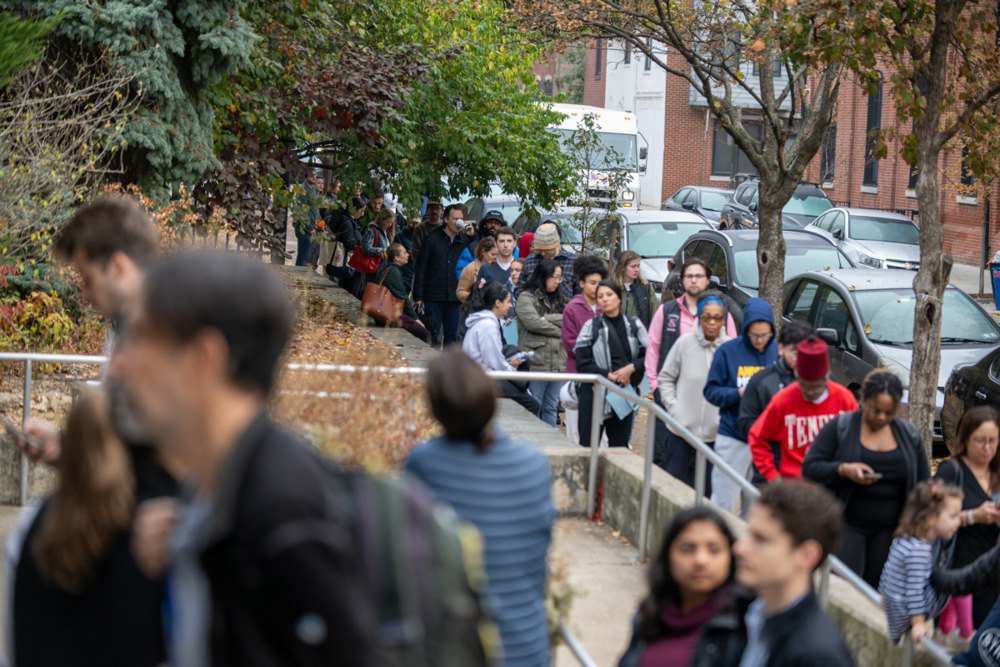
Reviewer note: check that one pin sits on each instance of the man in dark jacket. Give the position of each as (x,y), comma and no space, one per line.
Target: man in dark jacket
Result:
(435,279)
(791,530)
(765,384)
(264,570)
(735,362)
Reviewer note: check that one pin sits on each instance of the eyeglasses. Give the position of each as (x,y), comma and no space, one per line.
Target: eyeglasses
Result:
(695,276)
(985,441)
(760,337)
(712,318)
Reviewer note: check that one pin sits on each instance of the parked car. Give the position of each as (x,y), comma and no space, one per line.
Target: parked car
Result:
(807,202)
(657,236)
(867,317)
(876,239)
(970,385)
(508,205)
(706,202)
(732,256)
(566,217)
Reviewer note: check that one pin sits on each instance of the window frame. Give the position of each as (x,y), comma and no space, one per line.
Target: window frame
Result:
(873,125)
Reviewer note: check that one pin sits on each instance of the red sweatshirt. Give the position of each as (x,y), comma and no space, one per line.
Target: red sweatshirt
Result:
(793,422)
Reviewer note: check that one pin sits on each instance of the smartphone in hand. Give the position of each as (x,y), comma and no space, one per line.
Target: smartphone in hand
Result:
(872,475)
(15,433)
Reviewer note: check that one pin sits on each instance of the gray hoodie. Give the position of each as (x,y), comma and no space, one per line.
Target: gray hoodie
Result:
(483,343)
(682,380)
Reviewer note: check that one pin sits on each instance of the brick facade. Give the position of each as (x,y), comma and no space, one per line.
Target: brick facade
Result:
(688,147)
(595,72)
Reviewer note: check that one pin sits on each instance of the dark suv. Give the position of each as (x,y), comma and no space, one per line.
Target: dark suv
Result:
(807,202)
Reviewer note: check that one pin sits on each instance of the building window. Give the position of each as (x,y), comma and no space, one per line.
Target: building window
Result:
(598,59)
(911,183)
(628,53)
(828,158)
(731,57)
(968,177)
(872,127)
(777,66)
(727,158)
(648,65)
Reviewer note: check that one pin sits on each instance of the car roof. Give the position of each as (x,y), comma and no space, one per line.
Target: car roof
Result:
(636,217)
(708,188)
(499,199)
(875,213)
(862,280)
(741,239)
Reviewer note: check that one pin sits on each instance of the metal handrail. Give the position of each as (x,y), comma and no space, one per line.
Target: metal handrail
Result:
(575,647)
(703,455)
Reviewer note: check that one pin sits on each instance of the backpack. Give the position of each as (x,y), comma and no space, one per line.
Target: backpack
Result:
(424,570)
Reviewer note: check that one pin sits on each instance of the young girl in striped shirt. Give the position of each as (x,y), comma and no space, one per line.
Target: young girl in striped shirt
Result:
(933,510)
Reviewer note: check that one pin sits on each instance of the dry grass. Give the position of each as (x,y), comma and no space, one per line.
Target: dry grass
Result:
(358,418)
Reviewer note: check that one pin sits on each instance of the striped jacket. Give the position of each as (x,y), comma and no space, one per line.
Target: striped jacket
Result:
(906,585)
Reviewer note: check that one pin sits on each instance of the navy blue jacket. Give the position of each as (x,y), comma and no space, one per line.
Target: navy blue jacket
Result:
(735,362)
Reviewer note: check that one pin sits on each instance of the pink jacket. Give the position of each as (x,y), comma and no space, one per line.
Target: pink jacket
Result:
(576,313)
(655,335)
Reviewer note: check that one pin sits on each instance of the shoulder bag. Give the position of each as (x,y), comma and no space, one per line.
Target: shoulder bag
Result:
(379,303)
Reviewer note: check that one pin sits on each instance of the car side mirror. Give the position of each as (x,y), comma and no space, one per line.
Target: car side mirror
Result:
(643,152)
(752,206)
(838,234)
(671,264)
(715,282)
(830,336)
(689,205)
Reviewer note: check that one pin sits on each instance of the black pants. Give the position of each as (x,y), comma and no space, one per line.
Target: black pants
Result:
(619,430)
(520,395)
(680,460)
(445,316)
(661,437)
(865,551)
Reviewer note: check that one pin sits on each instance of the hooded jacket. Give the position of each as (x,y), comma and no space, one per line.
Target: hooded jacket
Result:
(576,313)
(539,329)
(682,379)
(483,343)
(735,363)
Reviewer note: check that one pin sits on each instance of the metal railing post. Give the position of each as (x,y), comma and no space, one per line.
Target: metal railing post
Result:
(575,647)
(25,416)
(907,657)
(647,484)
(700,475)
(596,419)
(824,585)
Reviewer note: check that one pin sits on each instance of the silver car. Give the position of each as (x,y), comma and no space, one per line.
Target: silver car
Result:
(871,238)
(867,317)
(657,236)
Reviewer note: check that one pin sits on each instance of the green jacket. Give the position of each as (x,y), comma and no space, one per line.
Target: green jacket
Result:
(395,284)
(539,329)
(641,301)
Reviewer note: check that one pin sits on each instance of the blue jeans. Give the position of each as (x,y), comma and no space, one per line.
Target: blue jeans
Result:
(445,317)
(547,394)
(305,249)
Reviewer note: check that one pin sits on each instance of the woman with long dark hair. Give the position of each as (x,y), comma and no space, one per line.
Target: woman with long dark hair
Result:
(78,597)
(539,330)
(613,345)
(692,610)
(502,487)
(870,459)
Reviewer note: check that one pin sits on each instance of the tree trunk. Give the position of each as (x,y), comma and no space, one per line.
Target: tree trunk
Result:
(771,252)
(928,287)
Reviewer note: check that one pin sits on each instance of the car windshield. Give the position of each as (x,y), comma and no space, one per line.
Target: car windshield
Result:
(660,239)
(884,229)
(714,201)
(807,202)
(798,259)
(569,227)
(623,145)
(887,315)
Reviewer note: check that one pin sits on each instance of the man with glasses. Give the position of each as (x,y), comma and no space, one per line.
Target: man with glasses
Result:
(673,319)
(735,362)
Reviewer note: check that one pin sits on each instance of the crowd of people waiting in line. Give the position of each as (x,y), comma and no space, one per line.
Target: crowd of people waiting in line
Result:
(188,528)
(761,397)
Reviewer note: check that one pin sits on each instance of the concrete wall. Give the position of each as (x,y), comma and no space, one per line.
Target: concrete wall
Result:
(861,622)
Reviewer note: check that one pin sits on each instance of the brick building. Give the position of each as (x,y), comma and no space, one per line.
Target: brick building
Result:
(697,151)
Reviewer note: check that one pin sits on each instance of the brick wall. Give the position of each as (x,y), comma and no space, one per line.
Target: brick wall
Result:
(688,161)
(593,81)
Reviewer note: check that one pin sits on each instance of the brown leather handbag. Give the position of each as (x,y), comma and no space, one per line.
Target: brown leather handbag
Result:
(379,303)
